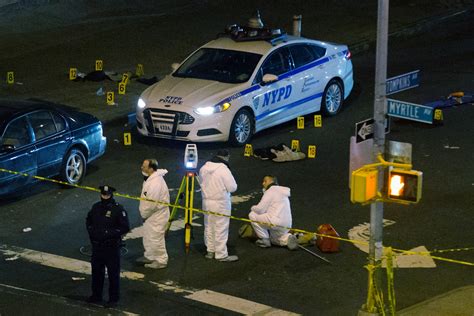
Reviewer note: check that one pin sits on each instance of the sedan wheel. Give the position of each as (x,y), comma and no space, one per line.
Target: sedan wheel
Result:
(74,167)
(241,129)
(333,98)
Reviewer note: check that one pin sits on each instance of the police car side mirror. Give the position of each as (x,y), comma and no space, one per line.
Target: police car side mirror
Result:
(174,66)
(269,78)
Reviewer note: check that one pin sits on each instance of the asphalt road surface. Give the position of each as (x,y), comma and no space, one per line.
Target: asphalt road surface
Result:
(272,279)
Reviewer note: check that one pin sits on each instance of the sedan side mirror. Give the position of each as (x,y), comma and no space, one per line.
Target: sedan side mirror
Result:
(269,78)
(7,148)
(174,66)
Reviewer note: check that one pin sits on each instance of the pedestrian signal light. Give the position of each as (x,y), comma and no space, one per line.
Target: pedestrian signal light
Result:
(405,185)
(363,185)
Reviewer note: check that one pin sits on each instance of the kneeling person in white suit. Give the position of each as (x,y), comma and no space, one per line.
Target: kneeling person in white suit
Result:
(273,208)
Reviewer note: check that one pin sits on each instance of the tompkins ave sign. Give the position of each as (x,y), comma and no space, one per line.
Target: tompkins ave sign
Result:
(410,111)
(402,82)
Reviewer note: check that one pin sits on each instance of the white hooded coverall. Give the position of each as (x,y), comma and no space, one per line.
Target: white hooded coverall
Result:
(273,208)
(155,215)
(217,183)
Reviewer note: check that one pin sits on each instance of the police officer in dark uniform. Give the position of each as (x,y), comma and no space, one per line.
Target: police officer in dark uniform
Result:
(106,222)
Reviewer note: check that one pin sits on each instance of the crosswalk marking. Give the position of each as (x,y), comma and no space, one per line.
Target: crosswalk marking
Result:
(204,296)
(235,304)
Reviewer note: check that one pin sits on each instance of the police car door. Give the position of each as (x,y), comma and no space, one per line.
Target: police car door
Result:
(308,77)
(17,153)
(271,99)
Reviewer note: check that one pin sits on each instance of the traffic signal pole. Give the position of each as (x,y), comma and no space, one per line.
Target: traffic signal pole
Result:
(380,111)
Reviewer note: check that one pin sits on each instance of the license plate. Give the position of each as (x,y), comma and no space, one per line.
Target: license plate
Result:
(164,127)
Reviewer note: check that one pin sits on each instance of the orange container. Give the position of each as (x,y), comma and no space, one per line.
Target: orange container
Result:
(326,244)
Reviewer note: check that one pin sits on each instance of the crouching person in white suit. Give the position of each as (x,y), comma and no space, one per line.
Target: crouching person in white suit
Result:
(273,208)
(155,215)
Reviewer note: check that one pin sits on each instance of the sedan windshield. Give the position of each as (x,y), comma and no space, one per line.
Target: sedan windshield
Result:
(221,65)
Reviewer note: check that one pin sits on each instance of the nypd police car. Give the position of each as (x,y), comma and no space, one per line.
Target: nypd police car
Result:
(243,82)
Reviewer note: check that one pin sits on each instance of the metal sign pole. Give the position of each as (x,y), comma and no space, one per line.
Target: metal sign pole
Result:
(380,110)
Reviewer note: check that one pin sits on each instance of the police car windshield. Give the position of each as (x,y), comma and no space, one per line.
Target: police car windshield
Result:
(221,65)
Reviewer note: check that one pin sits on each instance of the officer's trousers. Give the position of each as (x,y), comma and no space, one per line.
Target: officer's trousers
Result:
(103,257)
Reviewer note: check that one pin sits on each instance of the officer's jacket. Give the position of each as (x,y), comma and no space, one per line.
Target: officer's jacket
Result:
(106,223)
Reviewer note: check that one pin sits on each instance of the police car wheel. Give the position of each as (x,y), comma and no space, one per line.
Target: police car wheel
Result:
(333,98)
(74,167)
(241,129)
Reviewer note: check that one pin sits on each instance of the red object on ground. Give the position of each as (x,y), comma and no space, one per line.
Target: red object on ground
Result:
(326,244)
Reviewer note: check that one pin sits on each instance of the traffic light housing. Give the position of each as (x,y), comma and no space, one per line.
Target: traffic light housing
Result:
(363,185)
(404,186)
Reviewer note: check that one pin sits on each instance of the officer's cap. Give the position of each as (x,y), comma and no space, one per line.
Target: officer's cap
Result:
(106,190)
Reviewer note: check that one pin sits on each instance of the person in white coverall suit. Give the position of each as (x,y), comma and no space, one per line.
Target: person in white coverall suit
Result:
(155,215)
(217,184)
(274,208)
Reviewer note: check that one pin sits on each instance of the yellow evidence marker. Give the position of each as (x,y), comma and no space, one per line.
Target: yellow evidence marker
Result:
(139,71)
(127,139)
(300,122)
(121,88)
(10,77)
(248,150)
(72,73)
(295,145)
(99,65)
(125,77)
(312,151)
(110,98)
(318,121)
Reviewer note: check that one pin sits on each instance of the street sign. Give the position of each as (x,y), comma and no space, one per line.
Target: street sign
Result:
(364,130)
(410,111)
(402,82)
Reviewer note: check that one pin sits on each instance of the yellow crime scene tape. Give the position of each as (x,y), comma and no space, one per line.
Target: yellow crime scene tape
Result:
(296,230)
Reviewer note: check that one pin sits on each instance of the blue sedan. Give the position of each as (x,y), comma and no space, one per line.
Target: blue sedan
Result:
(44,139)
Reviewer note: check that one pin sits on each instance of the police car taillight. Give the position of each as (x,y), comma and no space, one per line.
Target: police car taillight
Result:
(348,55)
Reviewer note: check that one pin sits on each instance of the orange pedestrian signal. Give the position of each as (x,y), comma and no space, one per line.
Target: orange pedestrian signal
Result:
(405,185)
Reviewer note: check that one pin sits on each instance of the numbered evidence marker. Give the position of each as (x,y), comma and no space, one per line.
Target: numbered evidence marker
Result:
(300,122)
(248,150)
(438,115)
(125,77)
(99,65)
(127,139)
(121,88)
(318,121)
(10,77)
(312,151)
(72,73)
(110,98)
(295,145)
(139,71)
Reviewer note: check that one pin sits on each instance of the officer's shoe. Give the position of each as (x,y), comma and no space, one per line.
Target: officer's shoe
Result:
(209,255)
(143,260)
(263,243)
(156,265)
(292,242)
(229,259)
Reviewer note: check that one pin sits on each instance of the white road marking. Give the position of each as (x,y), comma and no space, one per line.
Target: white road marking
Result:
(362,233)
(58,262)
(56,298)
(204,296)
(235,304)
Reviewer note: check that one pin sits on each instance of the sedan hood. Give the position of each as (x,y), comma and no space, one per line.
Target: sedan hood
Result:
(187,92)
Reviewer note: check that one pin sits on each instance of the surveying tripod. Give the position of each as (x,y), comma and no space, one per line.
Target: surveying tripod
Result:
(187,189)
